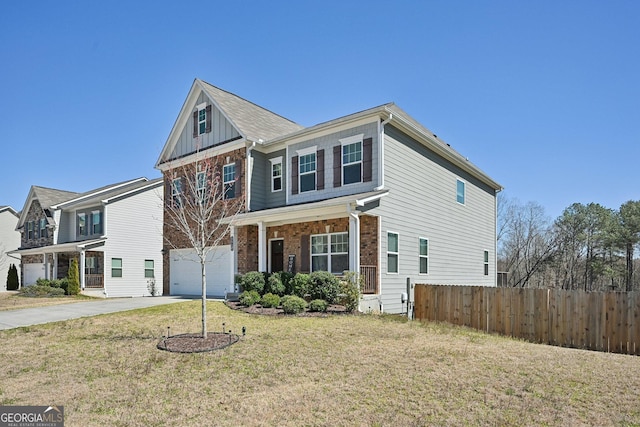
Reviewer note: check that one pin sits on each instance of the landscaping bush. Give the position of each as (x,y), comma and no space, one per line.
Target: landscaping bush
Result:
(249,298)
(13,282)
(274,285)
(323,285)
(74,278)
(252,281)
(41,291)
(299,285)
(286,278)
(319,305)
(292,304)
(270,300)
(350,288)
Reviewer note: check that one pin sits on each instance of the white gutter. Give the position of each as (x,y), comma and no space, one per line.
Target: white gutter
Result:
(248,173)
(381,152)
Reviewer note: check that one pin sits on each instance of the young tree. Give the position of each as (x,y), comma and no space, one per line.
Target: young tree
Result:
(198,197)
(74,278)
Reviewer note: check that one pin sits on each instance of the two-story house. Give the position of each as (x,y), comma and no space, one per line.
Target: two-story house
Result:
(9,241)
(114,232)
(373,192)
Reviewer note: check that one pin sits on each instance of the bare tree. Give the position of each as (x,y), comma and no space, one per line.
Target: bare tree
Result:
(198,196)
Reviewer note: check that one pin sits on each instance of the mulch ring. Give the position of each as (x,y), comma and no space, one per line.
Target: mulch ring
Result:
(194,343)
(258,309)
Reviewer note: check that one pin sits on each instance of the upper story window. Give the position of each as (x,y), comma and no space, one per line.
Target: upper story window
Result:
(229,180)
(392,252)
(176,191)
(82,224)
(486,263)
(330,252)
(308,171)
(96,222)
(351,159)
(43,227)
(201,119)
(30,230)
(460,191)
(276,174)
(201,185)
(424,256)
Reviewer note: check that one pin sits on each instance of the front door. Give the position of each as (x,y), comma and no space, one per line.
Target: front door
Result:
(277,255)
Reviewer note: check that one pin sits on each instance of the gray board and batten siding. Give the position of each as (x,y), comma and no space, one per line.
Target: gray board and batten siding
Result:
(221,131)
(422,204)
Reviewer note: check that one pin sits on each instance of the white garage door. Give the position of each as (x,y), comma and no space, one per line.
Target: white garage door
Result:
(32,272)
(186,278)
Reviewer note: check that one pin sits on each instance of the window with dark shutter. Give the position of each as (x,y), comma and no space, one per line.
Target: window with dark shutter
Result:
(294,175)
(320,170)
(337,166)
(367,159)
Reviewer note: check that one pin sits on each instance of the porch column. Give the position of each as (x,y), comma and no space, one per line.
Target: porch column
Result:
(81,268)
(262,246)
(354,241)
(46,267)
(55,265)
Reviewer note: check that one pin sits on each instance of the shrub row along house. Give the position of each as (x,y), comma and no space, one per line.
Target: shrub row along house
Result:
(114,232)
(372,192)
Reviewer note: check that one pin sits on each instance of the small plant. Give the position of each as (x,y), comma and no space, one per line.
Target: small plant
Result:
(299,285)
(152,287)
(274,285)
(74,278)
(292,304)
(253,281)
(249,298)
(270,300)
(324,285)
(318,305)
(287,281)
(350,288)
(41,291)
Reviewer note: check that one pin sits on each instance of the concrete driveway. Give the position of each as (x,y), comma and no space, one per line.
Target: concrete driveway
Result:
(10,319)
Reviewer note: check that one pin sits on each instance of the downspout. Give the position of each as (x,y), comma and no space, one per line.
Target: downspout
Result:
(354,242)
(247,172)
(381,152)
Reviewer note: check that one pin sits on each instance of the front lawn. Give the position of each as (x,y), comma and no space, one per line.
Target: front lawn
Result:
(336,370)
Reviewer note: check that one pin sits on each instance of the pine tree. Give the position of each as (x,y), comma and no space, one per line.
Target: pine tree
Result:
(74,278)
(13,283)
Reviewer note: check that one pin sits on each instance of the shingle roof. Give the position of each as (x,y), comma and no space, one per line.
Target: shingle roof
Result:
(251,120)
(48,197)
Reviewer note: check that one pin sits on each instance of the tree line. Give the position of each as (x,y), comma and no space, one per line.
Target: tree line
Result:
(588,247)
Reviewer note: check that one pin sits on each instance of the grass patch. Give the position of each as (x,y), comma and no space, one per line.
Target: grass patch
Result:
(14,300)
(338,370)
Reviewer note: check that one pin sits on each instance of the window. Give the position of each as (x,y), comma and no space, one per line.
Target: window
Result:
(148,268)
(43,227)
(392,252)
(229,180)
(351,159)
(82,224)
(176,191)
(276,174)
(91,265)
(202,121)
(330,252)
(116,267)
(460,191)
(424,256)
(30,230)
(486,263)
(308,172)
(201,186)
(96,223)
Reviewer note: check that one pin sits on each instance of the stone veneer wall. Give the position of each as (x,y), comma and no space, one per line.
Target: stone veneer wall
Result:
(35,213)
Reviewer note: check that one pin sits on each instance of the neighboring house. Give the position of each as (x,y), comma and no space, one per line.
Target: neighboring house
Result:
(115,233)
(9,240)
(373,192)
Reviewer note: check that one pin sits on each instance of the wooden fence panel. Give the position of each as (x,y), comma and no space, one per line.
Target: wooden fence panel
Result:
(597,321)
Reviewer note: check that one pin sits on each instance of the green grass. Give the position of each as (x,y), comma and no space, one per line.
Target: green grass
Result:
(339,370)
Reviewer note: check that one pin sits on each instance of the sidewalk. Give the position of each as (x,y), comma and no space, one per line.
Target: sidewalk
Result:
(10,319)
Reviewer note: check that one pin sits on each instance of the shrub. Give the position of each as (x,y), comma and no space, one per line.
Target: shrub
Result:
(74,278)
(270,300)
(292,304)
(318,305)
(350,291)
(253,281)
(286,278)
(299,284)
(249,298)
(41,291)
(324,285)
(274,285)
(13,282)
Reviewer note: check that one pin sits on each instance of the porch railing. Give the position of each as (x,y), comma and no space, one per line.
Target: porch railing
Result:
(93,281)
(370,276)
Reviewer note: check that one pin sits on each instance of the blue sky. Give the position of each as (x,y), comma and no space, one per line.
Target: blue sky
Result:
(544,96)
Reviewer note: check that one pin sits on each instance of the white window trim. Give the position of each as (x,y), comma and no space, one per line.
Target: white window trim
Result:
(93,214)
(420,256)
(275,161)
(306,152)
(464,193)
(200,107)
(224,181)
(393,253)
(348,141)
(328,254)
(485,264)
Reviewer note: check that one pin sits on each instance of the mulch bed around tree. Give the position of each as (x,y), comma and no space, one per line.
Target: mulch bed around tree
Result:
(194,343)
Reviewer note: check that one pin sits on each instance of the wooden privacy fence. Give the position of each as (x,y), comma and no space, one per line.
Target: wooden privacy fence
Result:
(602,321)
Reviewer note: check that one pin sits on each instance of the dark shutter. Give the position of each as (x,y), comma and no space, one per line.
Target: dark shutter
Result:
(238,183)
(367,159)
(195,123)
(304,253)
(337,166)
(320,170)
(208,119)
(294,175)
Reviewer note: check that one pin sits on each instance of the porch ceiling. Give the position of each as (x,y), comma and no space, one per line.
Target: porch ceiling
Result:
(325,209)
